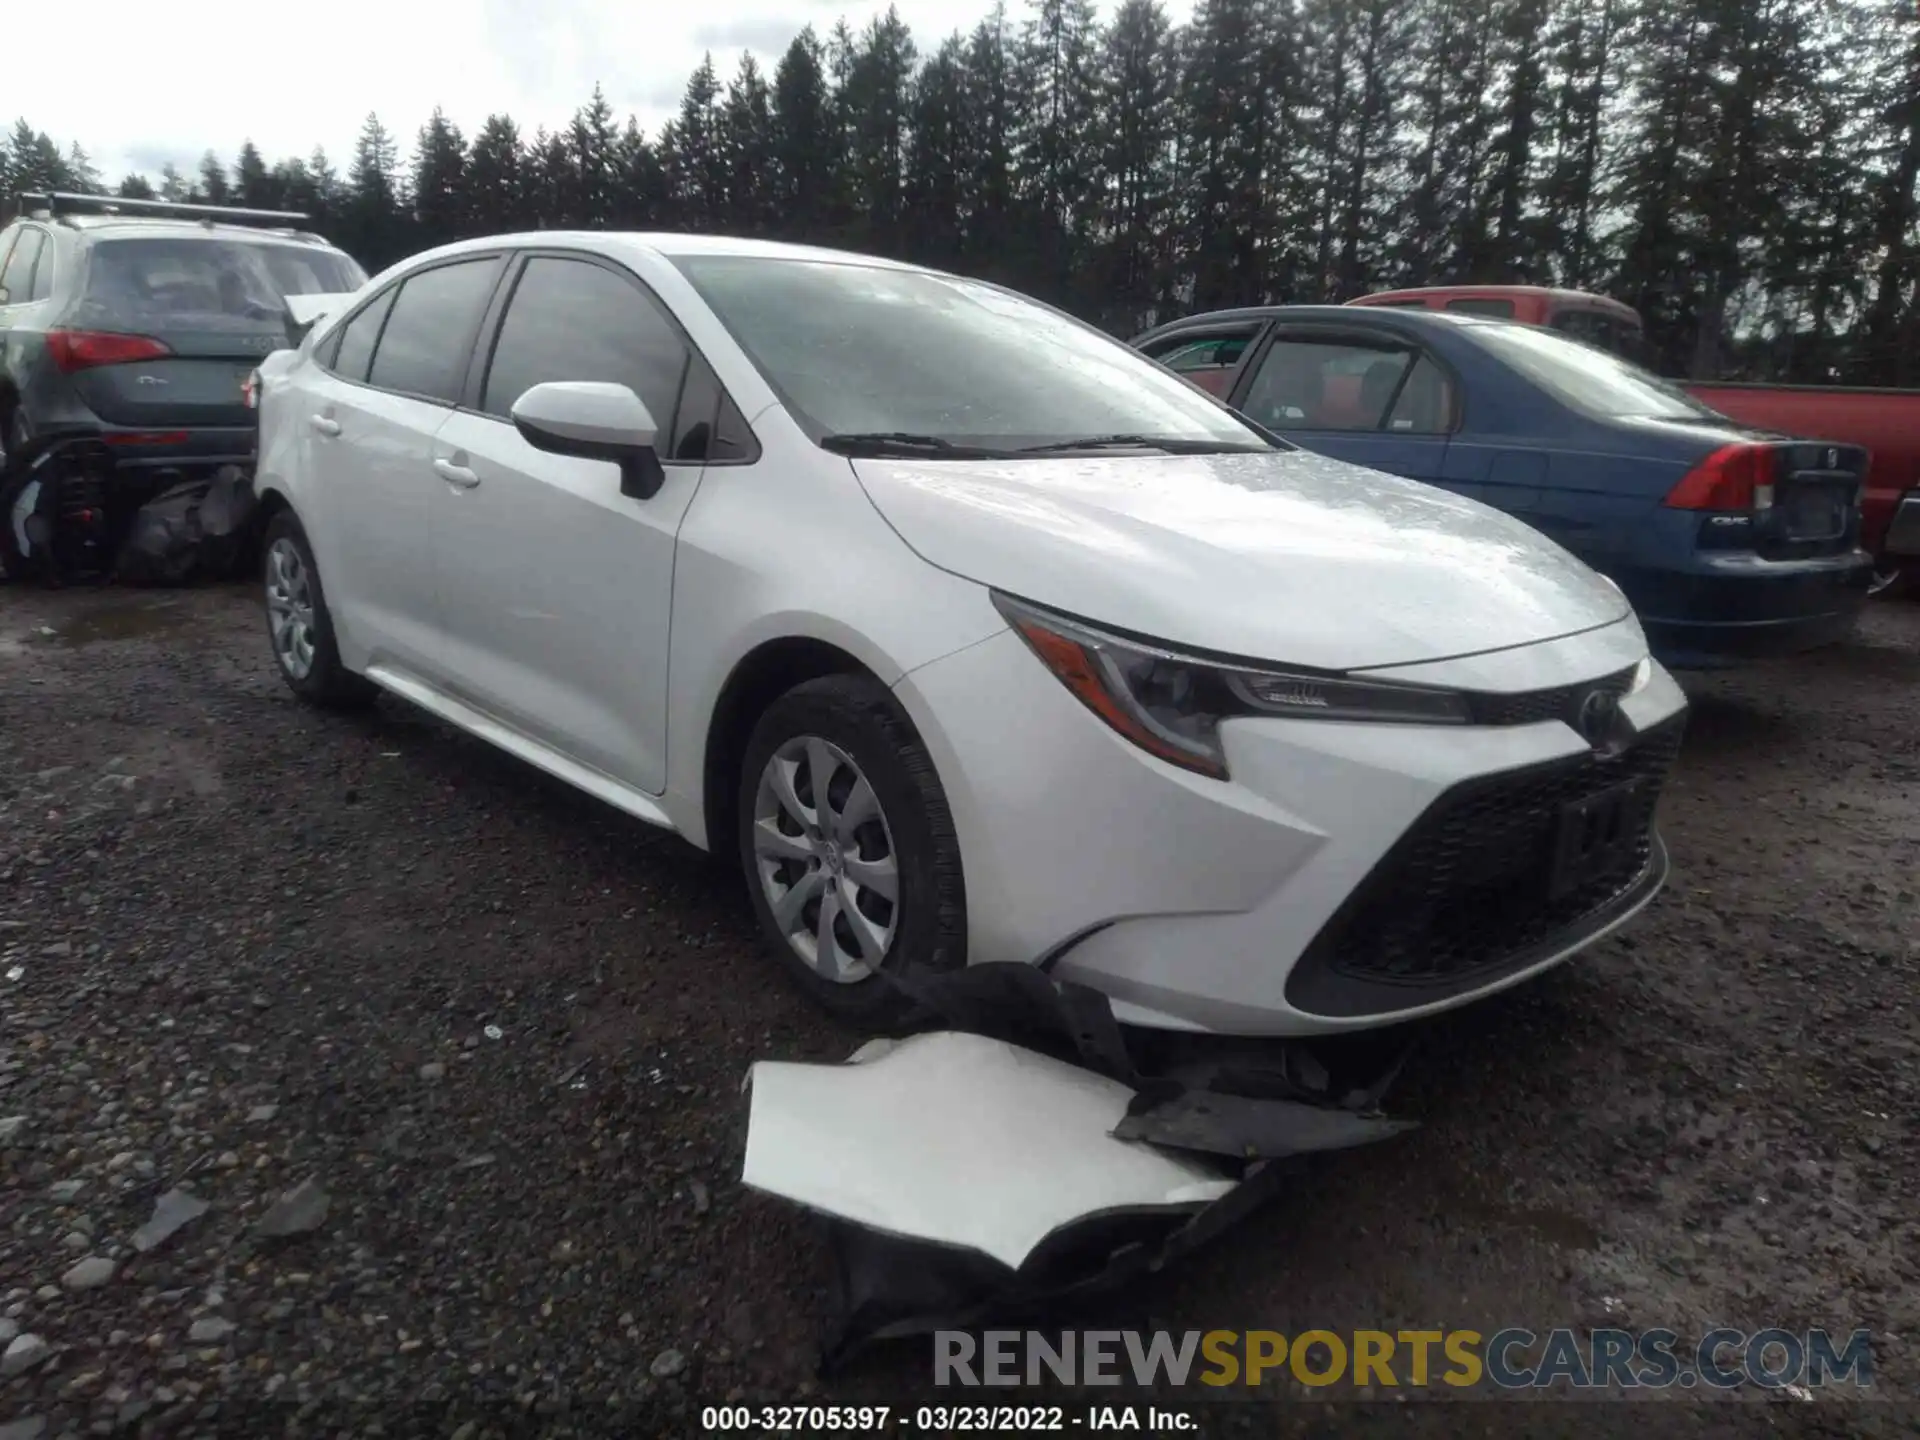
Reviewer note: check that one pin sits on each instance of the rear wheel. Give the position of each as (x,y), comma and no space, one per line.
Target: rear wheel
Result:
(299,626)
(849,848)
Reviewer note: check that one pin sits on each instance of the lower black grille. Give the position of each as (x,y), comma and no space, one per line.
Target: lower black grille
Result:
(1561,702)
(1470,890)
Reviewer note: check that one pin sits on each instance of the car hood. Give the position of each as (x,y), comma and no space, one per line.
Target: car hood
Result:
(1288,557)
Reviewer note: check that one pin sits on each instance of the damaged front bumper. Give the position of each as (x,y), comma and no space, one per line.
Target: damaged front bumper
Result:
(1021,1158)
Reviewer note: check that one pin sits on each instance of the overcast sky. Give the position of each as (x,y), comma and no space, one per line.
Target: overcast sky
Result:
(169,81)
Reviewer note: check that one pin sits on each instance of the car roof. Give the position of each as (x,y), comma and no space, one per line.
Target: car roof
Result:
(667,244)
(114,227)
(1485,292)
(1348,315)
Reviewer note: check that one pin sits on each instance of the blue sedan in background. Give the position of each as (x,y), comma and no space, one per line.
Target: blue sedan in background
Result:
(1730,543)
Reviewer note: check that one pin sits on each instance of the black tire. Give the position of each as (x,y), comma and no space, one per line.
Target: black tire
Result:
(15,436)
(327,684)
(858,716)
(16,564)
(13,565)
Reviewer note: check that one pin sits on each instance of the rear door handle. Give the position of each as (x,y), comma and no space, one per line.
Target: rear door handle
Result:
(324,425)
(455,474)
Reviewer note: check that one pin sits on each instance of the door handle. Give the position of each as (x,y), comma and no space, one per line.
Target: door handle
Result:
(455,474)
(324,425)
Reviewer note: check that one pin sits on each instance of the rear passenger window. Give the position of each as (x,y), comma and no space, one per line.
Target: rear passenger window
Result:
(1425,406)
(575,320)
(423,350)
(17,278)
(42,285)
(1478,305)
(352,349)
(1325,385)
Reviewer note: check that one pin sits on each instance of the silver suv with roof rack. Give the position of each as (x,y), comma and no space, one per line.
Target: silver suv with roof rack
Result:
(137,324)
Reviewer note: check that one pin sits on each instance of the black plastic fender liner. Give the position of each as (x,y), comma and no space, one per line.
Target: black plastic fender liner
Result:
(889,1288)
(1025,1005)
(1243,1099)
(1221,1124)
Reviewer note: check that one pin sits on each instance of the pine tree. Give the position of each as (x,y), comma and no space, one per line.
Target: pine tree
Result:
(1135,174)
(214,188)
(493,184)
(803,151)
(642,187)
(692,158)
(873,101)
(439,173)
(371,221)
(1058,82)
(252,182)
(934,190)
(593,160)
(997,241)
(746,143)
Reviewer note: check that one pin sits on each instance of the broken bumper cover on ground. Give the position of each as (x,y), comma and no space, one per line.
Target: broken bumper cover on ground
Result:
(964,1175)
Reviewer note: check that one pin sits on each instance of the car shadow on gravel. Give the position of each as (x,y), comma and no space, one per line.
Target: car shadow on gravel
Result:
(1720,723)
(491,777)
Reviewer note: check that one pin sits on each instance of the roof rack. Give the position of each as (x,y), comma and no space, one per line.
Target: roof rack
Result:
(54,203)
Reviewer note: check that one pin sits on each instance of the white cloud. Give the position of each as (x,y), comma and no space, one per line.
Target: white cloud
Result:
(170,82)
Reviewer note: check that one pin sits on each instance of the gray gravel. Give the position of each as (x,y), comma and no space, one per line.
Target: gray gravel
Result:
(452,1056)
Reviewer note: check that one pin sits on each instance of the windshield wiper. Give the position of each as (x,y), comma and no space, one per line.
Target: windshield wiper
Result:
(904,442)
(1164,443)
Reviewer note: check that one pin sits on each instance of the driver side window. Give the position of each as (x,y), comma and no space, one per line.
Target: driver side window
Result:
(575,320)
(1209,361)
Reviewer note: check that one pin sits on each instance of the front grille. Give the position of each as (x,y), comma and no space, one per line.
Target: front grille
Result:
(1561,702)
(1468,890)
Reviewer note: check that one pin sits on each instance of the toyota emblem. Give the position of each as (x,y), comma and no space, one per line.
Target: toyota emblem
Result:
(1596,715)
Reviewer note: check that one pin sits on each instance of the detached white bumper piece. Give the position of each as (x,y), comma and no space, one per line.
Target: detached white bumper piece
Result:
(963,1176)
(960,1140)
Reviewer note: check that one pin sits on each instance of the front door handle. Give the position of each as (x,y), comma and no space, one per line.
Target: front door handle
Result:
(455,474)
(324,425)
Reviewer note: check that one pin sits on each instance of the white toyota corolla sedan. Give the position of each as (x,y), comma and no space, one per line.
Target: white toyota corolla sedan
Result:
(973,633)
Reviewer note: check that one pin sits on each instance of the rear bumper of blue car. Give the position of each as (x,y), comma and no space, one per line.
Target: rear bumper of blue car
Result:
(1737,607)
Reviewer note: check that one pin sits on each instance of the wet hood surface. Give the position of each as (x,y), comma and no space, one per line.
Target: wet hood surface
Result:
(1288,557)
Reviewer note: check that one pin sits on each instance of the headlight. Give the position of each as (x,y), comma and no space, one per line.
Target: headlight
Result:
(1172,704)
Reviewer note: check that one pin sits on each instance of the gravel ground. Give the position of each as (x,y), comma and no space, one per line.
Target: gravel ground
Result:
(502,1029)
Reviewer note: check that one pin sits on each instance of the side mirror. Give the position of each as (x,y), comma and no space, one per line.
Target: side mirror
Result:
(594,421)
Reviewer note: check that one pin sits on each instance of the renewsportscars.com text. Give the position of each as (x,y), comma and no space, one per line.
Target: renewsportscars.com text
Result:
(1511,1359)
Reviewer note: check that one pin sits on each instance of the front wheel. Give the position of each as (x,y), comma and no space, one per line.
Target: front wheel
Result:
(849,848)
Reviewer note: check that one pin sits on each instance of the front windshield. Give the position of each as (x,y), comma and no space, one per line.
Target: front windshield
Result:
(1588,378)
(867,350)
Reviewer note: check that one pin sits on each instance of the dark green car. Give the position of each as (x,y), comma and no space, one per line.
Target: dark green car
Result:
(136,324)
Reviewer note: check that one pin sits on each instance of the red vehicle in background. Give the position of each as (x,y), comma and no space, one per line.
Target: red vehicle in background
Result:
(1886,422)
